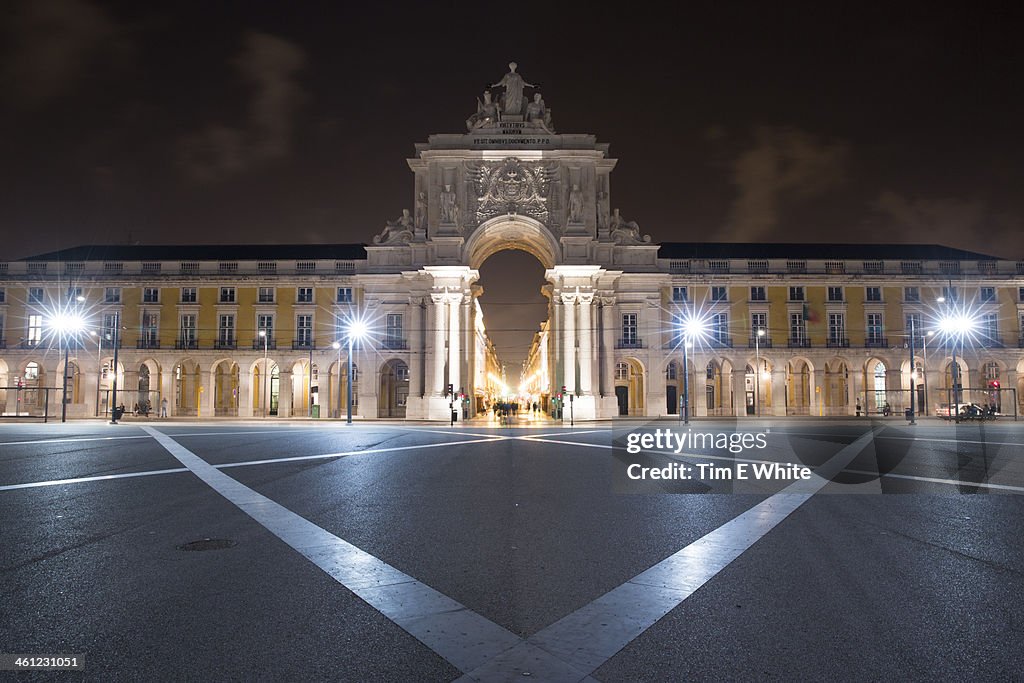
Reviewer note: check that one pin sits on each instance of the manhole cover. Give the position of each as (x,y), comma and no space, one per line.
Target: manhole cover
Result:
(208,544)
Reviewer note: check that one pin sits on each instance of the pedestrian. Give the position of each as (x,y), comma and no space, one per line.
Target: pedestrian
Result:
(163,407)
(858,406)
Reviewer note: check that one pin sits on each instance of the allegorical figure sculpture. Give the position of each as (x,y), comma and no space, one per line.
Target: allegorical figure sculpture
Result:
(512,100)
(602,209)
(575,205)
(420,218)
(398,231)
(538,113)
(449,209)
(486,113)
(623,232)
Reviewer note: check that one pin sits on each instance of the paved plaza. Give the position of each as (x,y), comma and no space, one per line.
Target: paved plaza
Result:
(396,552)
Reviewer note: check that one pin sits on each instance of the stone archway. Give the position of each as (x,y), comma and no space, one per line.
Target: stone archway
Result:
(511,232)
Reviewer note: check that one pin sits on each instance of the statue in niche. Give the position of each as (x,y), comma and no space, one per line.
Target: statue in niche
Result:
(623,232)
(449,206)
(575,204)
(602,209)
(486,113)
(512,100)
(420,218)
(538,113)
(398,231)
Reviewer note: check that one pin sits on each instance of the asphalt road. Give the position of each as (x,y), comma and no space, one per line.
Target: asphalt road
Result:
(548,563)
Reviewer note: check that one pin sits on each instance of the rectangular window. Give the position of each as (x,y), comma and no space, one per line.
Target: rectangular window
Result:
(759,321)
(150,295)
(188,295)
(629,329)
(394,337)
(109,327)
(836,328)
(949,294)
(150,329)
(304,295)
(35,330)
(679,295)
(266,295)
(74,293)
(873,293)
(719,294)
(304,330)
(187,330)
(796,293)
(990,328)
(988,295)
(835,293)
(226,330)
(344,295)
(720,328)
(797,329)
(227,295)
(265,324)
(914,326)
(874,329)
(911,294)
(758,294)
(112,295)
(35,295)
(3,295)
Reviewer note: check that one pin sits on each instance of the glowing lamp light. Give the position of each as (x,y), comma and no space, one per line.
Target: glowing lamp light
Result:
(357,329)
(335,345)
(957,324)
(66,323)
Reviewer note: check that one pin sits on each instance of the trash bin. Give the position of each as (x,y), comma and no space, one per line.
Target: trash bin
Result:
(316,411)
(455,416)
(908,413)
(117,413)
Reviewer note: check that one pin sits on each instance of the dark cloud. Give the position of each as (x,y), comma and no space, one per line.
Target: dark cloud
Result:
(54,43)
(784,165)
(269,66)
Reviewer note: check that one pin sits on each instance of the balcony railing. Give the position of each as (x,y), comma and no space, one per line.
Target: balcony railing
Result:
(258,342)
(186,343)
(147,343)
(229,344)
(799,343)
(394,344)
(876,343)
(764,342)
(838,343)
(720,342)
(303,344)
(629,343)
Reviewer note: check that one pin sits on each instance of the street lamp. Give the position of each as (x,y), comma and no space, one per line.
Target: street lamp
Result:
(356,330)
(757,369)
(113,394)
(692,327)
(266,342)
(913,421)
(955,326)
(67,324)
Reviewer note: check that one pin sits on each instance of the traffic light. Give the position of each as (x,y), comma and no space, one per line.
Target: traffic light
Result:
(449,391)
(563,392)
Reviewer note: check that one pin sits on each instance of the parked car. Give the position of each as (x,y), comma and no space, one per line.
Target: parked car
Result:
(967,411)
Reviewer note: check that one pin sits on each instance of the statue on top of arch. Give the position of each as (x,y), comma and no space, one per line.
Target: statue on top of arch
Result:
(398,231)
(511,105)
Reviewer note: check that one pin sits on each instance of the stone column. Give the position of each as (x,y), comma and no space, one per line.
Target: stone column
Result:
(438,375)
(207,397)
(454,347)
(416,365)
(586,344)
(814,391)
(739,391)
(284,393)
(569,343)
(608,331)
(778,391)
(244,394)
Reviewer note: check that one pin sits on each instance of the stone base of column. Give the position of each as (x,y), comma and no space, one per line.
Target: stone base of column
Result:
(607,407)
(429,408)
(583,408)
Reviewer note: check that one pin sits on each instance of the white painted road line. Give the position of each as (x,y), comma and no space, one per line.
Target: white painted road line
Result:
(344,454)
(81,480)
(593,634)
(450,629)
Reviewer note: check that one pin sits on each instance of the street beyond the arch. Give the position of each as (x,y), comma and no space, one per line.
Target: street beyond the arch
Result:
(163,550)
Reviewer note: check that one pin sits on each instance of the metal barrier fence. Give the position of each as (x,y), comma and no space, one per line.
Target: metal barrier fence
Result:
(134,402)
(29,402)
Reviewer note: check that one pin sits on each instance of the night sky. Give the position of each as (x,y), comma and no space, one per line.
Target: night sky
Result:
(291,122)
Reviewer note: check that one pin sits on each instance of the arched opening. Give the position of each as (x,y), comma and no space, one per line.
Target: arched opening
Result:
(511,232)
(511,353)
(186,388)
(5,381)
(993,378)
(798,387)
(394,389)
(264,388)
(32,397)
(674,388)
(225,389)
(629,387)
(877,395)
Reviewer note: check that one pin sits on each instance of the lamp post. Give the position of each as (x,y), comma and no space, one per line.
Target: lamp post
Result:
(67,323)
(266,343)
(924,364)
(337,346)
(955,326)
(356,330)
(757,370)
(116,343)
(692,327)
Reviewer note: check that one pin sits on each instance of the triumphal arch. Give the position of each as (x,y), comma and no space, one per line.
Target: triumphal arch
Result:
(511,181)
